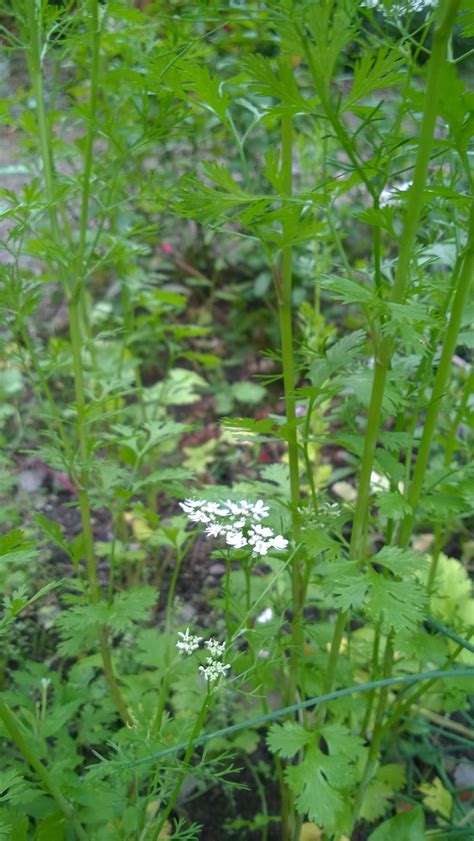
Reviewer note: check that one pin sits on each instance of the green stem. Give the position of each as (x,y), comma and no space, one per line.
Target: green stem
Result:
(198,725)
(88,150)
(34,40)
(440,382)
(43,383)
(24,746)
(284,712)
(440,535)
(286,333)
(284,278)
(73,291)
(228,625)
(386,346)
(164,687)
(374,670)
(403,705)
(377,733)
(79,287)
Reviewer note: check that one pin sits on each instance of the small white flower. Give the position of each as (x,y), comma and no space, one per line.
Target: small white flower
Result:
(214,669)
(260,510)
(236,539)
(188,643)
(279,542)
(214,530)
(400,7)
(215,648)
(261,547)
(265,616)
(261,531)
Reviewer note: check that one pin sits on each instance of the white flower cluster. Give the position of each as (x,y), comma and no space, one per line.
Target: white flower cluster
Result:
(188,643)
(214,667)
(391,195)
(398,7)
(238,522)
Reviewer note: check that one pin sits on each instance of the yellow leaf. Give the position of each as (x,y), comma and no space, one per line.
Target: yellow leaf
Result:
(437,798)
(141,529)
(310,832)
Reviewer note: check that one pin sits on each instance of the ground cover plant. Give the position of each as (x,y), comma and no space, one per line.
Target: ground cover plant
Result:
(237,484)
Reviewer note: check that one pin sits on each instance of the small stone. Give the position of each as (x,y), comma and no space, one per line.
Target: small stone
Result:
(464,775)
(217,569)
(31,480)
(185,614)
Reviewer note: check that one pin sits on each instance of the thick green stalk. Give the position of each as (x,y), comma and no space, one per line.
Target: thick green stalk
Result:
(24,746)
(440,382)
(386,346)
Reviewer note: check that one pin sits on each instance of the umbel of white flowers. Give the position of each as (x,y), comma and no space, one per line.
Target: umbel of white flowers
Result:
(398,7)
(214,667)
(238,522)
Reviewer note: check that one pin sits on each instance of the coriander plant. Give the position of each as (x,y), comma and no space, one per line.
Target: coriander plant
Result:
(158,149)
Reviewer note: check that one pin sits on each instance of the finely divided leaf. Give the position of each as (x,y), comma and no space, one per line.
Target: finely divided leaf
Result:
(371,73)
(350,292)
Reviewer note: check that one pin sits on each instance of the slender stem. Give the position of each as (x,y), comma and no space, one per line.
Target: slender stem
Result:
(374,670)
(34,40)
(440,381)
(401,680)
(286,333)
(198,725)
(284,291)
(385,349)
(82,474)
(24,746)
(165,681)
(73,291)
(180,555)
(88,159)
(403,705)
(110,677)
(446,723)
(440,535)
(89,144)
(228,568)
(23,333)
(378,731)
